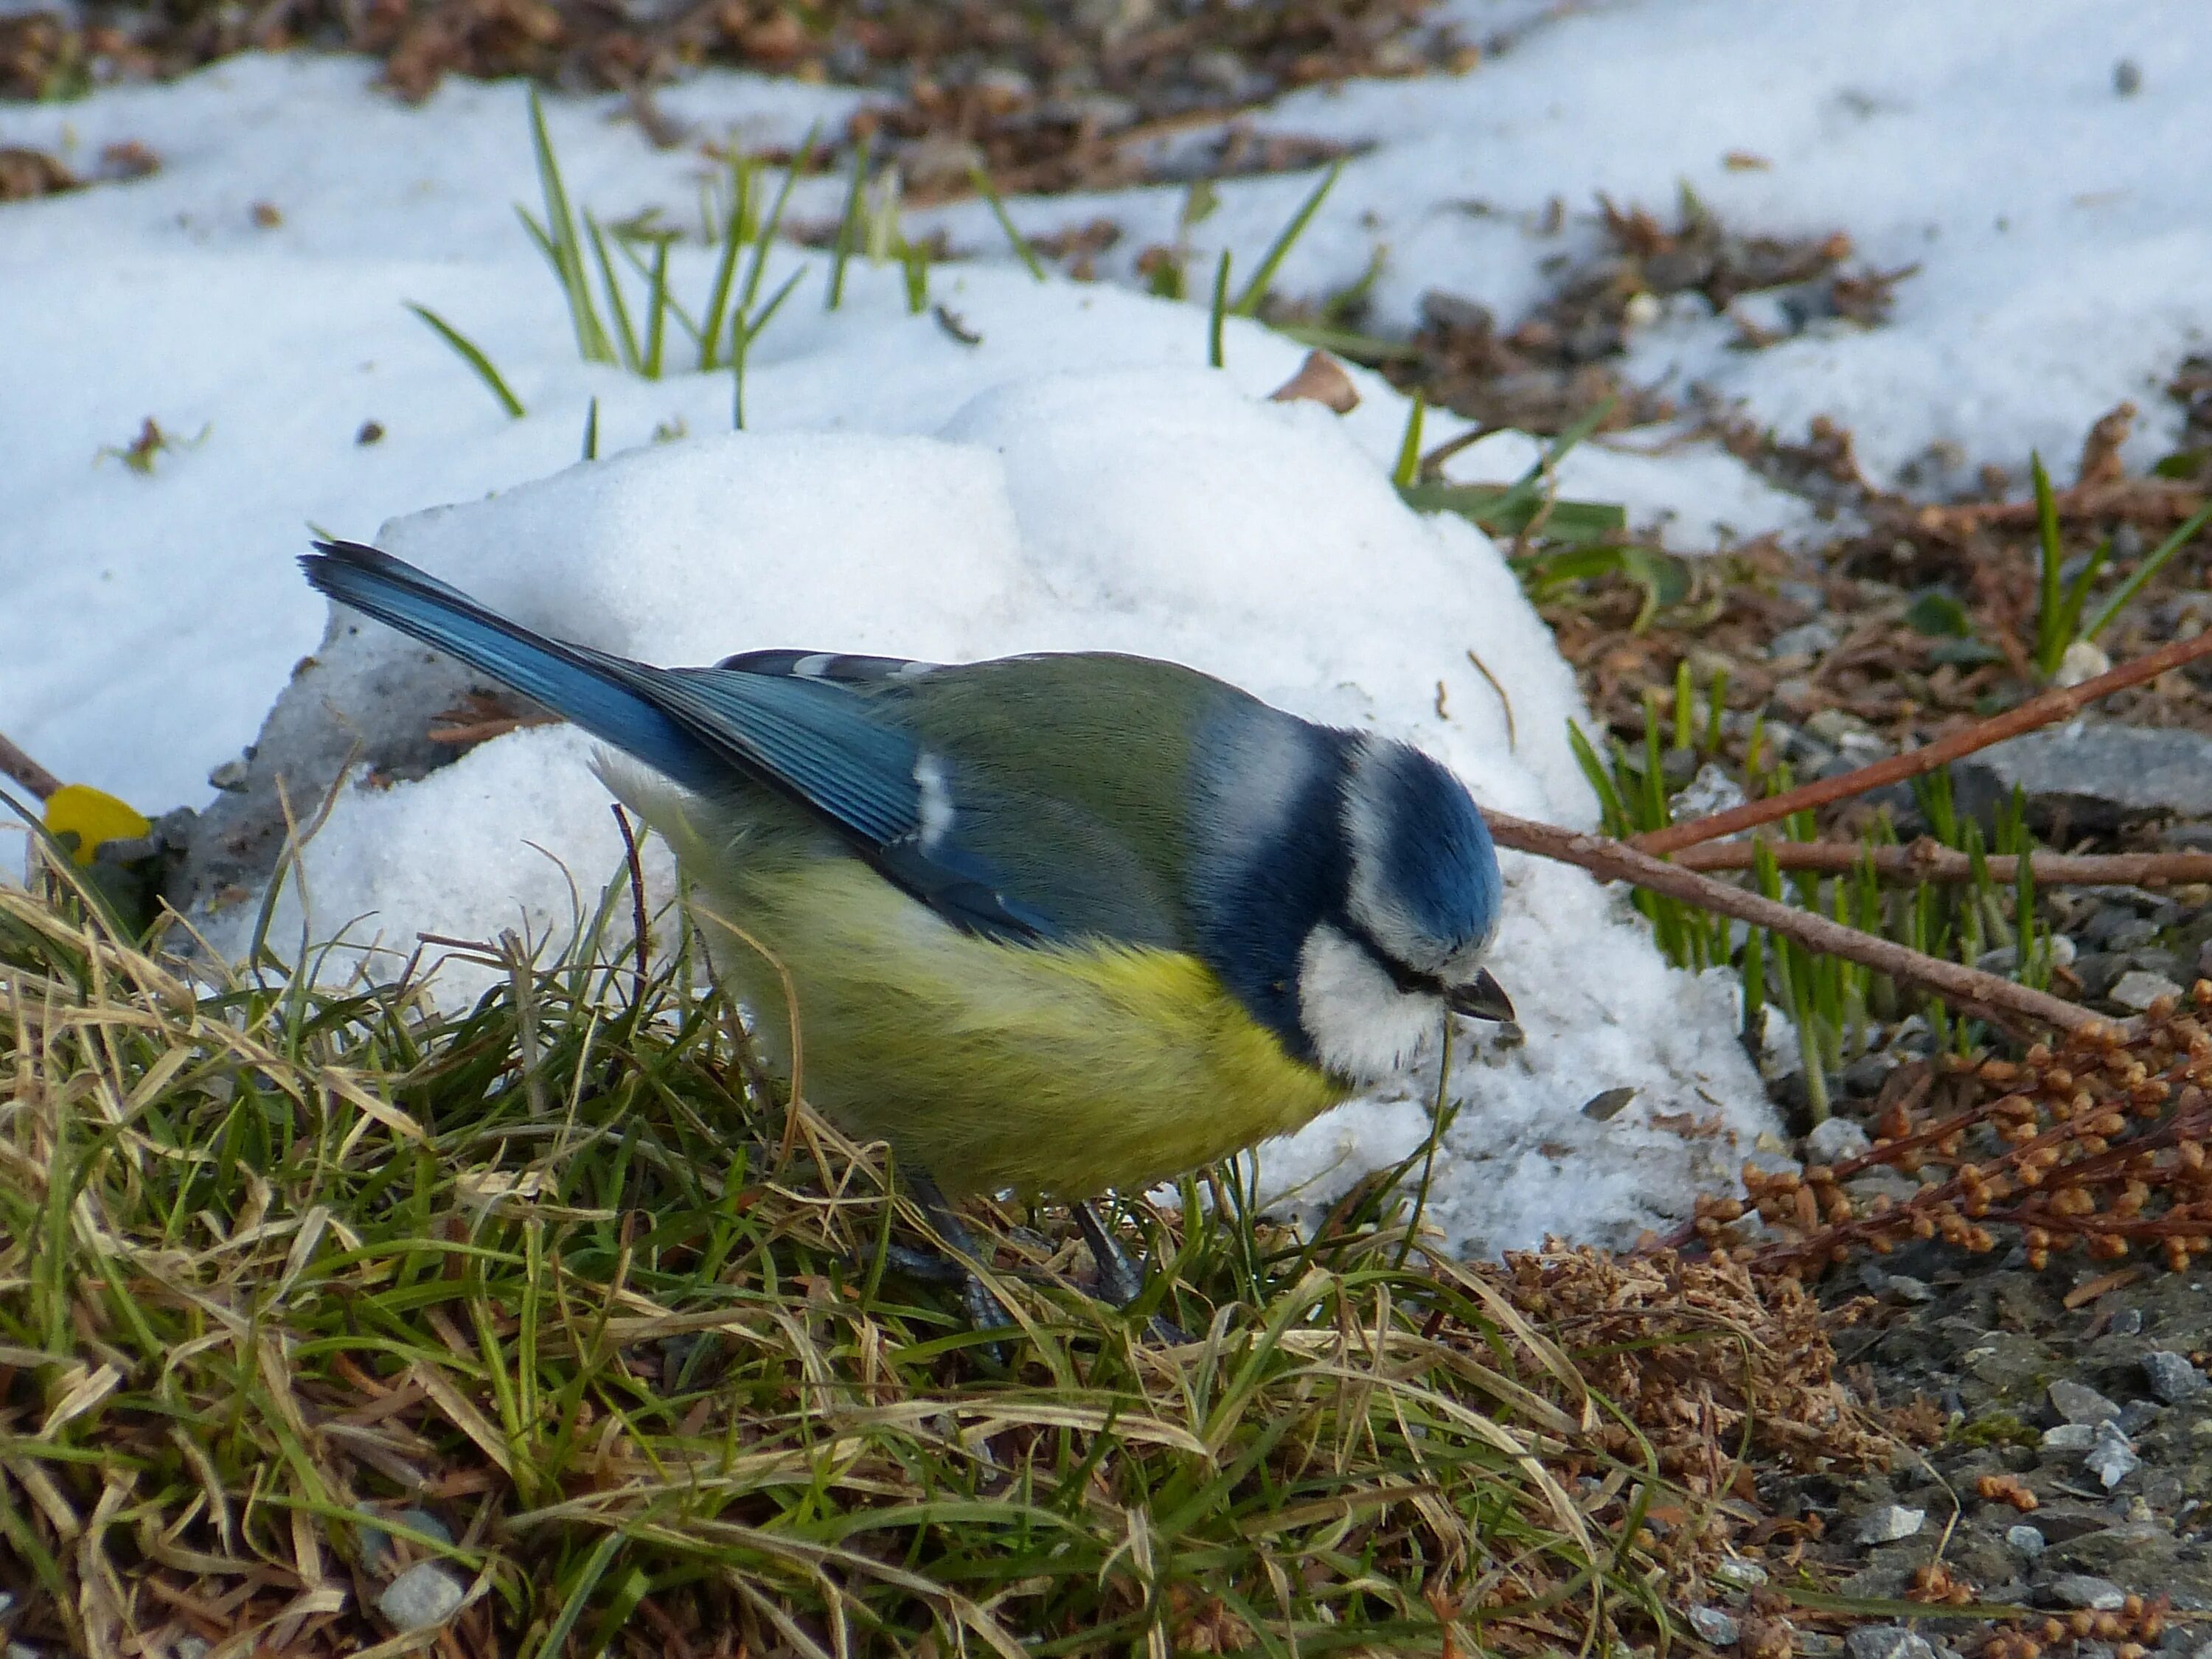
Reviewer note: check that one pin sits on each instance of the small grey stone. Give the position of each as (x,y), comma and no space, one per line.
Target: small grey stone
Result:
(2136,990)
(2112,1458)
(2103,771)
(1806,596)
(23,1650)
(7,1602)
(1811,639)
(2127,77)
(2137,1415)
(2173,1379)
(427,1594)
(1888,1523)
(1866,1075)
(1888,1642)
(2079,1589)
(2124,931)
(1714,1626)
(1743,1575)
(2071,1438)
(2099,971)
(1905,1288)
(229,777)
(2126,1323)
(1833,1139)
(2025,1541)
(191,1647)
(2078,1404)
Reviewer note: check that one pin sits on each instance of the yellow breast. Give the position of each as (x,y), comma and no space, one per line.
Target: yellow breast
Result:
(1059,1070)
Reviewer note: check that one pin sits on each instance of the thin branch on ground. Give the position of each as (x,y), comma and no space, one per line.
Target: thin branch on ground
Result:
(2053,706)
(1928,859)
(1982,995)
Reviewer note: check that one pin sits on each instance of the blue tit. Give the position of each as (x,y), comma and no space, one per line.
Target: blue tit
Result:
(1053,923)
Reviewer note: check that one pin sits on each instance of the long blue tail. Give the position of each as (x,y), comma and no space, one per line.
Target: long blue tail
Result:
(574,682)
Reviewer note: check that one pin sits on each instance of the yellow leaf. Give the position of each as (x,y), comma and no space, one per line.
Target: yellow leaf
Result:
(93,817)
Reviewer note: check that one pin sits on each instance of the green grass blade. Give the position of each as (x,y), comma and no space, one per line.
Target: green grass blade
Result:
(1408,465)
(848,226)
(1218,311)
(726,265)
(2155,563)
(656,312)
(559,239)
(626,336)
(591,431)
(473,356)
(2050,642)
(1023,251)
(766,239)
(1248,302)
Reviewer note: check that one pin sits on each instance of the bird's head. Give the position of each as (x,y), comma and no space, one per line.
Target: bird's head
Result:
(1420,905)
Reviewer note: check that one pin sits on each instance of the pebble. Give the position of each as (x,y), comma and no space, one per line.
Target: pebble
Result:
(1905,1288)
(427,1594)
(1742,1575)
(2112,1458)
(1709,792)
(2079,1589)
(2082,661)
(192,1647)
(1833,1139)
(1811,639)
(1888,1642)
(1714,1626)
(2071,1438)
(2025,1541)
(1865,1076)
(2136,990)
(2139,1414)
(2077,1403)
(2173,1379)
(1888,1523)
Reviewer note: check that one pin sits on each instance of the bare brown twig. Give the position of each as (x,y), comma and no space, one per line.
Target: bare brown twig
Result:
(1927,860)
(15,764)
(2053,706)
(1985,996)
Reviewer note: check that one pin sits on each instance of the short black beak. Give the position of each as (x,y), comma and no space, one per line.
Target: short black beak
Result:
(1484,998)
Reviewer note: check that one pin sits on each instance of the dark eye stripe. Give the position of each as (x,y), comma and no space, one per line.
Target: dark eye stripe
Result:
(1411,981)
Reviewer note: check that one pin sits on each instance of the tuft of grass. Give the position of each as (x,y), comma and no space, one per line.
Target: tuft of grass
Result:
(609,328)
(2058,609)
(1835,1008)
(554,1293)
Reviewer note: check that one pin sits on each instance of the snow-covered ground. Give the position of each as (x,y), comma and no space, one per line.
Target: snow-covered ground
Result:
(1076,475)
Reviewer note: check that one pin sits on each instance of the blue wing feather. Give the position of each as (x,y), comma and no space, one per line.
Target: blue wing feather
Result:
(810,738)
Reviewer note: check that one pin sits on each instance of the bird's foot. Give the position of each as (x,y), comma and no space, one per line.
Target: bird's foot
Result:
(1121,1277)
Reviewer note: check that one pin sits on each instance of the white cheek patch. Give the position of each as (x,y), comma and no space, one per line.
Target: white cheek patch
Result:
(936,801)
(1362,1025)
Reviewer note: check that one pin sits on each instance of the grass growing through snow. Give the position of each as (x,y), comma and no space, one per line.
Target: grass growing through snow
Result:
(301,1285)
(1833,1005)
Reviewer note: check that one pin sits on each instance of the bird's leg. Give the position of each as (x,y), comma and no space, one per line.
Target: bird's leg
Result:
(1121,1275)
(1121,1279)
(984,1312)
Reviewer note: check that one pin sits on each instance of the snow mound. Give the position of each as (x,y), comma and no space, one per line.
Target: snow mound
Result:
(1163,511)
